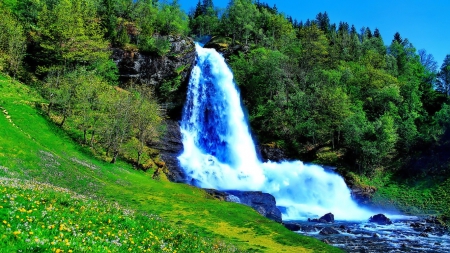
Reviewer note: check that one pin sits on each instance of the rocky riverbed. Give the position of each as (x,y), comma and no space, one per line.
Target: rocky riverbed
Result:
(405,234)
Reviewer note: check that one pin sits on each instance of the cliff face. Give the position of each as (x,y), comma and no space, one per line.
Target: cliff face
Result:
(168,74)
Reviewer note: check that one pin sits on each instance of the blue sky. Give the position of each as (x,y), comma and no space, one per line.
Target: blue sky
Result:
(426,24)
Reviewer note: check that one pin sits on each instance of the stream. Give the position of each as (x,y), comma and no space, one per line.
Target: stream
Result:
(405,234)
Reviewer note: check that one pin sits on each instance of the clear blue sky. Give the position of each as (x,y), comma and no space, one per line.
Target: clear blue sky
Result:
(426,24)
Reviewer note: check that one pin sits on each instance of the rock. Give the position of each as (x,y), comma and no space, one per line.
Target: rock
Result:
(329,217)
(328,231)
(326,241)
(380,219)
(362,195)
(272,153)
(428,230)
(217,194)
(309,229)
(292,226)
(169,147)
(154,70)
(232,198)
(375,235)
(263,203)
(224,46)
(423,234)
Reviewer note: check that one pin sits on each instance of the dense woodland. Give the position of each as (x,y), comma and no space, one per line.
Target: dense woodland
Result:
(312,85)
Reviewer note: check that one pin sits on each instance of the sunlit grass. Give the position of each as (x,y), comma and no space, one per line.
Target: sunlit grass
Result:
(40,217)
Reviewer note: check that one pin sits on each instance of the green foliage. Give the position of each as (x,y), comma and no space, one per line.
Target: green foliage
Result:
(69,35)
(12,43)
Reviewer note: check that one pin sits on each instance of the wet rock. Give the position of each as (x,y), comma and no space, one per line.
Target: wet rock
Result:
(380,219)
(416,225)
(292,226)
(309,229)
(328,231)
(272,153)
(232,198)
(326,241)
(375,235)
(329,217)
(428,230)
(263,203)
(423,234)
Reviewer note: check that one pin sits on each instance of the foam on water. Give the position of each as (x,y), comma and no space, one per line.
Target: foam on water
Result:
(219,151)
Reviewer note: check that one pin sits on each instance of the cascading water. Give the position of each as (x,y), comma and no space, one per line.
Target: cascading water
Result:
(219,151)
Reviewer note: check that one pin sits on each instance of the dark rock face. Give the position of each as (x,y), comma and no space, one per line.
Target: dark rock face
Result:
(362,195)
(224,46)
(274,154)
(329,217)
(170,146)
(328,231)
(151,69)
(380,219)
(263,203)
(292,226)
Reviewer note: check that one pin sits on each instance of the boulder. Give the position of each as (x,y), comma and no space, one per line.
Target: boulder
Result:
(272,153)
(263,203)
(329,217)
(380,219)
(328,231)
(292,226)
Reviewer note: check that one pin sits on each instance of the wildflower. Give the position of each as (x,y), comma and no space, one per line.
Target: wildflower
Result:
(30,232)
(5,222)
(17,233)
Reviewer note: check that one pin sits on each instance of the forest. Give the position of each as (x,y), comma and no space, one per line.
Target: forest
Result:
(322,91)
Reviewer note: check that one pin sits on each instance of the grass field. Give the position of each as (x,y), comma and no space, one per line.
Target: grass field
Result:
(33,151)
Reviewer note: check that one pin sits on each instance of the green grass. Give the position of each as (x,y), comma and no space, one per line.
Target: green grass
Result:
(42,218)
(34,149)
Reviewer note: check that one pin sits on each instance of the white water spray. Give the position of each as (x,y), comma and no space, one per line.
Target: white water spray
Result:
(219,151)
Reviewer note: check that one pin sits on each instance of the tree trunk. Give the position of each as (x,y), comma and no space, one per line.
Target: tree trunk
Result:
(92,139)
(62,122)
(84,136)
(138,158)
(114,156)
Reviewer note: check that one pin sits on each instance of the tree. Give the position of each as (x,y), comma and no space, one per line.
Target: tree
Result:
(171,19)
(428,61)
(147,119)
(70,35)
(117,125)
(239,19)
(443,84)
(12,43)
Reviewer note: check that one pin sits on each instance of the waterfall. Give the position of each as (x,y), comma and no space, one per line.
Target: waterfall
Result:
(219,151)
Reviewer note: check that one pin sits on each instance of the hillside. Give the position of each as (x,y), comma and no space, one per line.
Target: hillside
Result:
(34,149)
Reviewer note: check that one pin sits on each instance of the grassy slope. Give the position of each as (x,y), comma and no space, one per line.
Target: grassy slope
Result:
(34,149)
